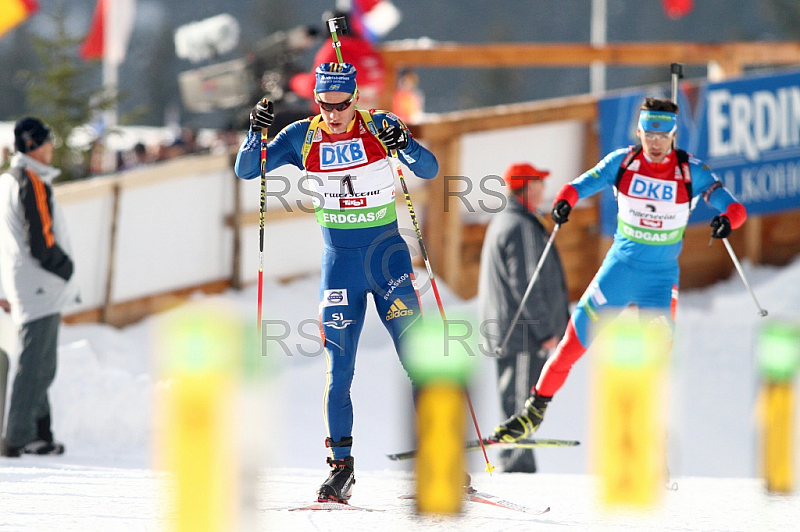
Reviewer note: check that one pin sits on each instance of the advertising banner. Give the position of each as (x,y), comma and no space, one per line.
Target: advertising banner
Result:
(747,130)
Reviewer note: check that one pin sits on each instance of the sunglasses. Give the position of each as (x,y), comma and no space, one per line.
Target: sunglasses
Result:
(656,135)
(341,106)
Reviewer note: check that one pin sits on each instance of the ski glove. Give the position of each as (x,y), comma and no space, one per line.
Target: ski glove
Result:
(261,116)
(393,137)
(720,226)
(560,213)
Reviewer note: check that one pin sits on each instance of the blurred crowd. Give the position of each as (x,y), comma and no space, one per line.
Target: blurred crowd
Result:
(188,142)
(98,161)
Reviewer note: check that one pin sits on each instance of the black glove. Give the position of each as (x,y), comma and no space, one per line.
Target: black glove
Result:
(261,116)
(560,212)
(720,226)
(393,137)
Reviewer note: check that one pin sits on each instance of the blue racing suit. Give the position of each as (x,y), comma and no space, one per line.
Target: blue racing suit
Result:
(641,267)
(351,181)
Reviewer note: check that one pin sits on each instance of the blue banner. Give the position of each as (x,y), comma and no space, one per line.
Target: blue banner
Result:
(747,130)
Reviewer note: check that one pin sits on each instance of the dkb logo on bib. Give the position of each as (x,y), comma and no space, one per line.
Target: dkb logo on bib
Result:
(654,189)
(341,154)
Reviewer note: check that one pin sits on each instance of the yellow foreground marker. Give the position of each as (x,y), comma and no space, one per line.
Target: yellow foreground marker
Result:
(440,361)
(779,357)
(629,411)
(200,356)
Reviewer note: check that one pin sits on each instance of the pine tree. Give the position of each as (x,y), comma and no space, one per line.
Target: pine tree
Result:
(59,92)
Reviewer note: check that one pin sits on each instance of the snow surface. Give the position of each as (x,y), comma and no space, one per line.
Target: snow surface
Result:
(105,395)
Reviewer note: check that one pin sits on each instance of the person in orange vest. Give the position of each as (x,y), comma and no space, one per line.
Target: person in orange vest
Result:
(408,102)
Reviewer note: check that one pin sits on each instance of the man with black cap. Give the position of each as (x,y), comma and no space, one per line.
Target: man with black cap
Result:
(512,247)
(36,271)
(344,155)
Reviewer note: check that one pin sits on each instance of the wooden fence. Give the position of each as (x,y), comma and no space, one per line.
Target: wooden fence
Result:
(764,239)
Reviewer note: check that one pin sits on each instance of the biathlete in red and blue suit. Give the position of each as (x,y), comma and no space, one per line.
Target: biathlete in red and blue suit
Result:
(655,187)
(343,153)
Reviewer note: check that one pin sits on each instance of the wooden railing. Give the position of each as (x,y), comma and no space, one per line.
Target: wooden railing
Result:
(443,133)
(728,59)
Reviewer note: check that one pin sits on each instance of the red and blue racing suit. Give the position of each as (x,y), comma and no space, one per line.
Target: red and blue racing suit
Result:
(641,267)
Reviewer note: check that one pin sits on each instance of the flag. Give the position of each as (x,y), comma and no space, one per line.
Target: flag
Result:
(12,12)
(92,47)
(110,30)
(677,8)
(373,19)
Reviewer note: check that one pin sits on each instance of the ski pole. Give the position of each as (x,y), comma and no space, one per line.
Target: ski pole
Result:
(502,347)
(432,279)
(334,24)
(676,72)
(261,213)
(762,312)
(417,229)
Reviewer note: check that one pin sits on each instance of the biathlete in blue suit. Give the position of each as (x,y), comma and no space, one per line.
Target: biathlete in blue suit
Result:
(343,153)
(655,186)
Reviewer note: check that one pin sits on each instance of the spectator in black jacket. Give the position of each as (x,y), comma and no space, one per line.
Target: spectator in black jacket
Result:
(512,247)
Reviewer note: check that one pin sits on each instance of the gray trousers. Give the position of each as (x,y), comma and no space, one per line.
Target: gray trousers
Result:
(516,374)
(3,384)
(29,409)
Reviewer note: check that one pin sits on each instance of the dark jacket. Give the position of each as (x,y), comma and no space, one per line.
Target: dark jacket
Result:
(512,247)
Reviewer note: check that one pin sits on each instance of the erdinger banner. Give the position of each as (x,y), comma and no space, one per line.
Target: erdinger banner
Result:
(746,130)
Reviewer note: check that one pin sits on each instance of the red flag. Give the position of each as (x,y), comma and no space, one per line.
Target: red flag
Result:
(12,12)
(110,30)
(92,47)
(677,8)
(366,5)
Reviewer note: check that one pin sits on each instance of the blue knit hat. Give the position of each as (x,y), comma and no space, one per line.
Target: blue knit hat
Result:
(335,77)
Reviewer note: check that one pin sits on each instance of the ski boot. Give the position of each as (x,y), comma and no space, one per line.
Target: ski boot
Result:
(468,483)
(339,485)
(523,423)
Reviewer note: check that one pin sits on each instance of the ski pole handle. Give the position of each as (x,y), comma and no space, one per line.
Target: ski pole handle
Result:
(676,70)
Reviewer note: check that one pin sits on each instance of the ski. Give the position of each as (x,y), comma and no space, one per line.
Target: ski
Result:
(474,445)
(473,495)
(331,505)
(493,500)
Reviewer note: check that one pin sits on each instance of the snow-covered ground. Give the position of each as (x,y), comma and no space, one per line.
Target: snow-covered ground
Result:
(104,402)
